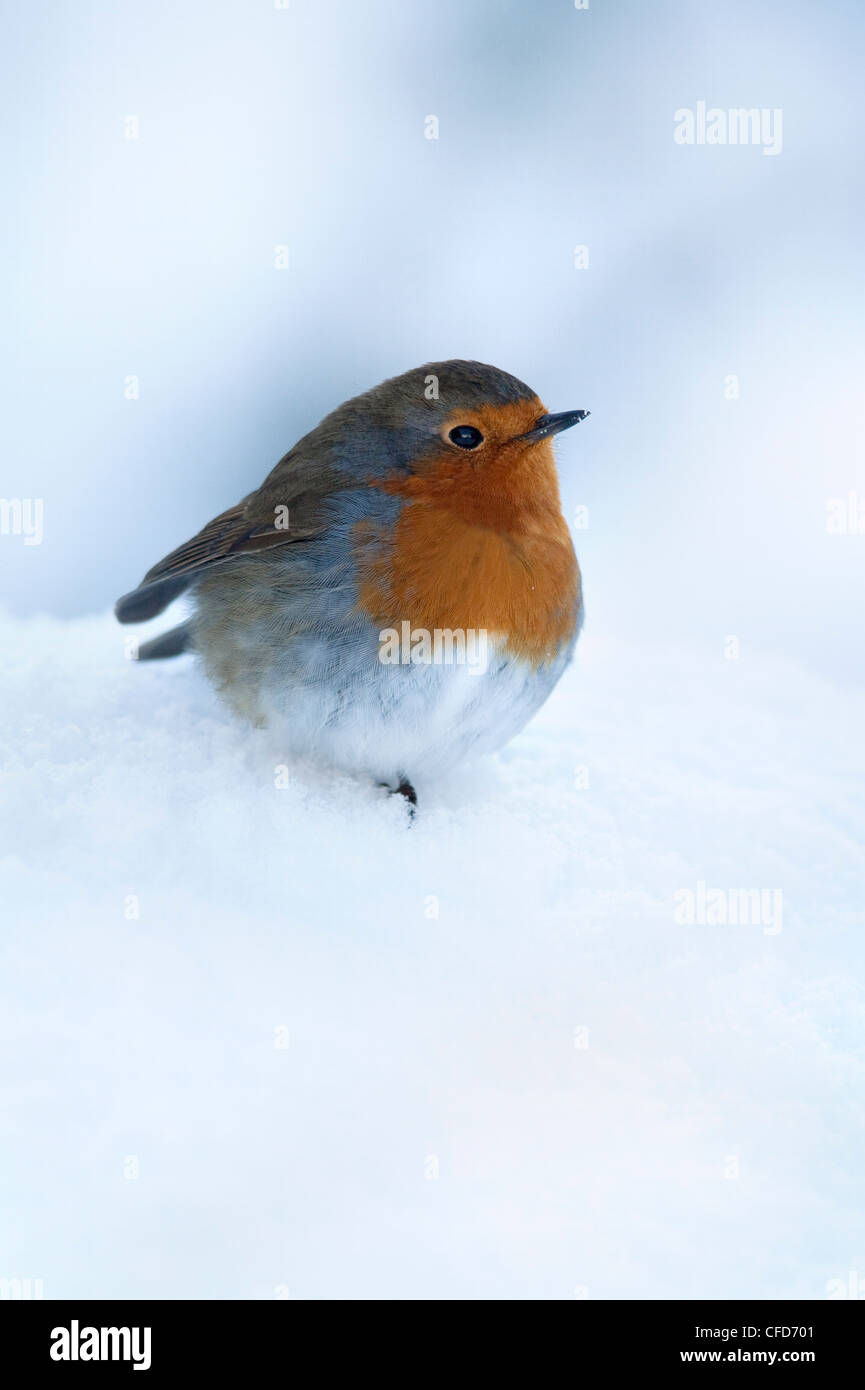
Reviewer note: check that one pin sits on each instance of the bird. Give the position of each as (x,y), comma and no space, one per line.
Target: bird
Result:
(401,591)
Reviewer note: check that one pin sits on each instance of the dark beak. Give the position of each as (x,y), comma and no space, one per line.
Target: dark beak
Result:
(554,424)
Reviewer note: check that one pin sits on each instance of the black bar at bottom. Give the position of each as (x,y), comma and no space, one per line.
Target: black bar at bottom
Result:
(83,1337)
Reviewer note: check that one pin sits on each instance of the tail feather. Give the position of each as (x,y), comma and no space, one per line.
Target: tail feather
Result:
(148,600)
(172,643)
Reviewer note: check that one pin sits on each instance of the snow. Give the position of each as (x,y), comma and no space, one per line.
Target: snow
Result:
(243,1056)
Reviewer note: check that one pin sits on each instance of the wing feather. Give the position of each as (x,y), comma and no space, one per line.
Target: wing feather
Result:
(255,524)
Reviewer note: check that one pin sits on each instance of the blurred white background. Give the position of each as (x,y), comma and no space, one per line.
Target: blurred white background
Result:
(305,127)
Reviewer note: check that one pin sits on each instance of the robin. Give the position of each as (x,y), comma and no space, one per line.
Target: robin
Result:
(401,590)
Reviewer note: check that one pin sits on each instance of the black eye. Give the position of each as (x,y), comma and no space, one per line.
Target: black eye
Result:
(466,437)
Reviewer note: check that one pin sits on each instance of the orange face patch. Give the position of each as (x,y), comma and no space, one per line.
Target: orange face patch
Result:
(481,542)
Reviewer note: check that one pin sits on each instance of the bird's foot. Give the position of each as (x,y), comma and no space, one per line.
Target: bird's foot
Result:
(405,789)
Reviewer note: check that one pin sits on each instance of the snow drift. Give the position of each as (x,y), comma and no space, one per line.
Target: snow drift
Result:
(260,1039)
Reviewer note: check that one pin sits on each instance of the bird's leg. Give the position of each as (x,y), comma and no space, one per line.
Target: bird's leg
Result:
(404,788)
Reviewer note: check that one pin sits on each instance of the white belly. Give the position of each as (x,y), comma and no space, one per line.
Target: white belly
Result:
(412,721)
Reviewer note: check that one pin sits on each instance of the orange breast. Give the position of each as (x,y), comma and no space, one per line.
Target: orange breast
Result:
(481,549)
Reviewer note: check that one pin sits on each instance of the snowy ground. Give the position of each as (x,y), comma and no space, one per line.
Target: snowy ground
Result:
(326,1090)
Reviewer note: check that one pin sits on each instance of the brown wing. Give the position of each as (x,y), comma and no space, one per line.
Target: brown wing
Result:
(286,508)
